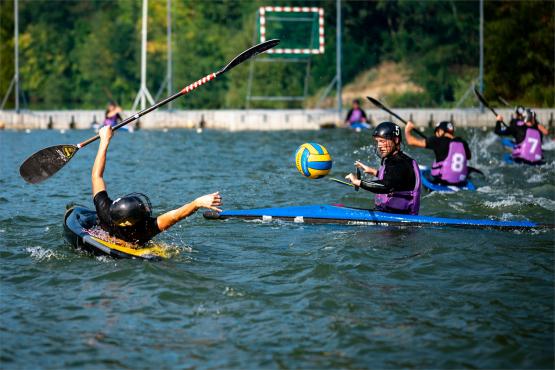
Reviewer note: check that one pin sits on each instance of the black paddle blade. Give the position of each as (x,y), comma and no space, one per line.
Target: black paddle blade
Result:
(46,162)
(506,103)
(249,53)
(483,101)
(376,102)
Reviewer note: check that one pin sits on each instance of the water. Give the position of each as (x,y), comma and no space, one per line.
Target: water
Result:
(273,295)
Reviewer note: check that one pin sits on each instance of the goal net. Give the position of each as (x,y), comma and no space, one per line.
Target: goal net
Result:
(300,29)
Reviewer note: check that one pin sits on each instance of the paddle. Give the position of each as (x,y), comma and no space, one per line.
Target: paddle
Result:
(484,101)
(474,169)
(506,103)
(46,162)
(341,181)
(359,176)
(379,104)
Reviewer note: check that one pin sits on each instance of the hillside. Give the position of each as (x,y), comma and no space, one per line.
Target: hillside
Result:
(386,80)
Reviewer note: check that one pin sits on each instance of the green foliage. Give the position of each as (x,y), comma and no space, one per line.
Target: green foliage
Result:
(410,99)
(519,50)
(80,54)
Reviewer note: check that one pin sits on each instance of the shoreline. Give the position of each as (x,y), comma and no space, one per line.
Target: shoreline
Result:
(254,119)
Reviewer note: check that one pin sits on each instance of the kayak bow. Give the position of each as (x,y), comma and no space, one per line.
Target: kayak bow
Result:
(329,214)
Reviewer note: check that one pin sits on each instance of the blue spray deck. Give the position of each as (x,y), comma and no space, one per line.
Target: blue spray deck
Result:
(426,183)
(354,216)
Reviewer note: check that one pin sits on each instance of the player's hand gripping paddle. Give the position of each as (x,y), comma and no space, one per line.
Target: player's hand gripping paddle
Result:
(46,162)
(359,176)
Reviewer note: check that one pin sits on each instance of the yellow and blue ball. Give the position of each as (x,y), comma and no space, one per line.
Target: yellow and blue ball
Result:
(313,160)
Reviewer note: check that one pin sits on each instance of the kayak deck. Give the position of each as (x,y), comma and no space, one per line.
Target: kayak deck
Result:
(82,231)
(328,214)
(425,175)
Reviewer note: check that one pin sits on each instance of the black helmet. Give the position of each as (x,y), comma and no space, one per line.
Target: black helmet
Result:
(130,209)
(445,126)
(387,130)
(519,110)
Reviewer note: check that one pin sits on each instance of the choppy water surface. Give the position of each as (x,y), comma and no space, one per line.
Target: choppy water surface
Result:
(273,295)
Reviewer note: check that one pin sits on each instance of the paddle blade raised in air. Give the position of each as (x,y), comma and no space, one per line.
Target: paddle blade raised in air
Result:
(46,162)
(249,53)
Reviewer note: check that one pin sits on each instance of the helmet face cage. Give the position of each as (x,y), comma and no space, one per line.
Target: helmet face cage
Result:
(520,110)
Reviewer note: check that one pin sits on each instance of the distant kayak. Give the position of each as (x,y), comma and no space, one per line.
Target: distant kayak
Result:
(508,158)
(508,143)
(82,231)
(98,126)
(331,214)
(425,175)
(359,126)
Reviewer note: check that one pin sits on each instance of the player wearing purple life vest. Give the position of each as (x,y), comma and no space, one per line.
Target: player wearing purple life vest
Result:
(356,115)
(112,115)
(528,134)
(397,188)
(452,153)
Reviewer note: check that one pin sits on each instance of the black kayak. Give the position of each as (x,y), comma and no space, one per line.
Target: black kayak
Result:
(82,231)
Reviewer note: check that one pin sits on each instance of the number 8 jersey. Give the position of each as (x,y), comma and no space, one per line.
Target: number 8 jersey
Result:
(452,155)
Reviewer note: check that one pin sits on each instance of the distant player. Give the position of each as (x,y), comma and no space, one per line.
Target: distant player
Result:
(356,117)
(452,153)
(528,134)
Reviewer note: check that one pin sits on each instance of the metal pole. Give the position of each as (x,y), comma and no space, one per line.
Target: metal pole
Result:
(338,60)
(481,77)
(143,55)
(143,94)
(169,40)
(16,52)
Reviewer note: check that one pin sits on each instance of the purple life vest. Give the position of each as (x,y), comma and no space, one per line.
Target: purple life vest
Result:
(111,121)
(400,201)
(452,169)
(356,116)
(529,149)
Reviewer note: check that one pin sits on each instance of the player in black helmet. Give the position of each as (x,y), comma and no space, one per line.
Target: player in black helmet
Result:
(130,217)
(452,153)
(528,134)
(398,185)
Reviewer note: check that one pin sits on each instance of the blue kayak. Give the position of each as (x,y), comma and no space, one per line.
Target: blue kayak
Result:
(96,127)
(508,158)
(508,143)
(329,214)
(425,175)
(359,126)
